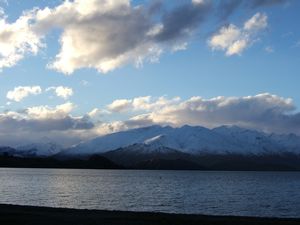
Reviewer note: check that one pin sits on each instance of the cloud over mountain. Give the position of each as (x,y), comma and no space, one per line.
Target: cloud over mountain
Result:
(263,111)
(266,112)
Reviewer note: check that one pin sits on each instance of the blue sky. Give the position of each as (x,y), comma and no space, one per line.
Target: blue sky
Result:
(265,58)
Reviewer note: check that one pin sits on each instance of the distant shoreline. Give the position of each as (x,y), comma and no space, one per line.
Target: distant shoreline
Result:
(31,215)
(200,163)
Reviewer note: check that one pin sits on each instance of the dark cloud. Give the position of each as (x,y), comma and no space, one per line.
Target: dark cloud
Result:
(225,8)
(181,20)
(8,123)
(155,7)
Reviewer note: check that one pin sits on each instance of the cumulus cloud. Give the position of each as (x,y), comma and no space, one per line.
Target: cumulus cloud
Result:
(108,34)
(101,34)
(267,112)
(96,113)
(46,112)
(144,103)
(61,91)
(21,92)
(119,105)
(17,39)
(263,111)
(34,123)
(234,40)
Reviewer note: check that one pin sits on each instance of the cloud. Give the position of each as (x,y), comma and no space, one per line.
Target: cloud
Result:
(144,103)
(182,20)
(46,112)
(17,39)
(263,112)
(34,123)
(21,92)
(256,23)
(105,34)
(43,118)
(119,105)
(100,34)
(267,112)
(269,49)
(61,91)
(234,40)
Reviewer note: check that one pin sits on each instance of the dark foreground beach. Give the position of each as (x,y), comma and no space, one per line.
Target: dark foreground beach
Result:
(29,215)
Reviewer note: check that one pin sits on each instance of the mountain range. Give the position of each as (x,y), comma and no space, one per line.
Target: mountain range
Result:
(187,147)
(192,140)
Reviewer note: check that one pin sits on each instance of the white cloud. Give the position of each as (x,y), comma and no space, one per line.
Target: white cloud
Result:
(119,105)
(61,91)
(107,34)
(99,34)
(234,40)
(21,92)
(17,39)
(265,111)
(198,2)
(96,112)
(46,112)
(257,22)
(144,103)
(37,122)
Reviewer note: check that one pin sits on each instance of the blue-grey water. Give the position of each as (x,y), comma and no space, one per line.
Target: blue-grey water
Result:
(272,194)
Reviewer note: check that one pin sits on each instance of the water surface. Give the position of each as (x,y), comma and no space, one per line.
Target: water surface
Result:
(272,194)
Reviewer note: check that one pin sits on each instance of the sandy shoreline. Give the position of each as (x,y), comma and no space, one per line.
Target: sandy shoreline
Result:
(30,215)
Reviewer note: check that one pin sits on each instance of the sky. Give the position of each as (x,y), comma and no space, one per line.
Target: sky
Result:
(74,70)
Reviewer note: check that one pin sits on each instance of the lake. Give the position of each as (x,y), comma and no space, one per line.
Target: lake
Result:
(272,194)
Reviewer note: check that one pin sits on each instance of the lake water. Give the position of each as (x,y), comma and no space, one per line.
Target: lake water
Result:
(272,194)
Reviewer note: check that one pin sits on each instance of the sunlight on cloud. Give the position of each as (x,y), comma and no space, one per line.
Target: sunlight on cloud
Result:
(265,112)
(61,91)
(17,39)
(21,92)
(46,112)
(234,40)
(106,35)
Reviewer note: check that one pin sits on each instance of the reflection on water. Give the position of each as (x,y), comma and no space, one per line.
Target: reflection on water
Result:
(274,194)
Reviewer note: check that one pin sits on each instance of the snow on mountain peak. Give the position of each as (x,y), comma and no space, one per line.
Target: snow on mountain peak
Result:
(40,149)
(192,140)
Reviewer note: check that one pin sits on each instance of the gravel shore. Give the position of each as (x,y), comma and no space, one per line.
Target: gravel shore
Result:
(30,215)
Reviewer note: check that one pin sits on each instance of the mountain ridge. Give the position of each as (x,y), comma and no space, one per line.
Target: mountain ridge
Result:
(156,147)
(193,140)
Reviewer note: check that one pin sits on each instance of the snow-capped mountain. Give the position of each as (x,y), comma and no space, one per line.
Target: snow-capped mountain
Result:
(191,140)
(39,149)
